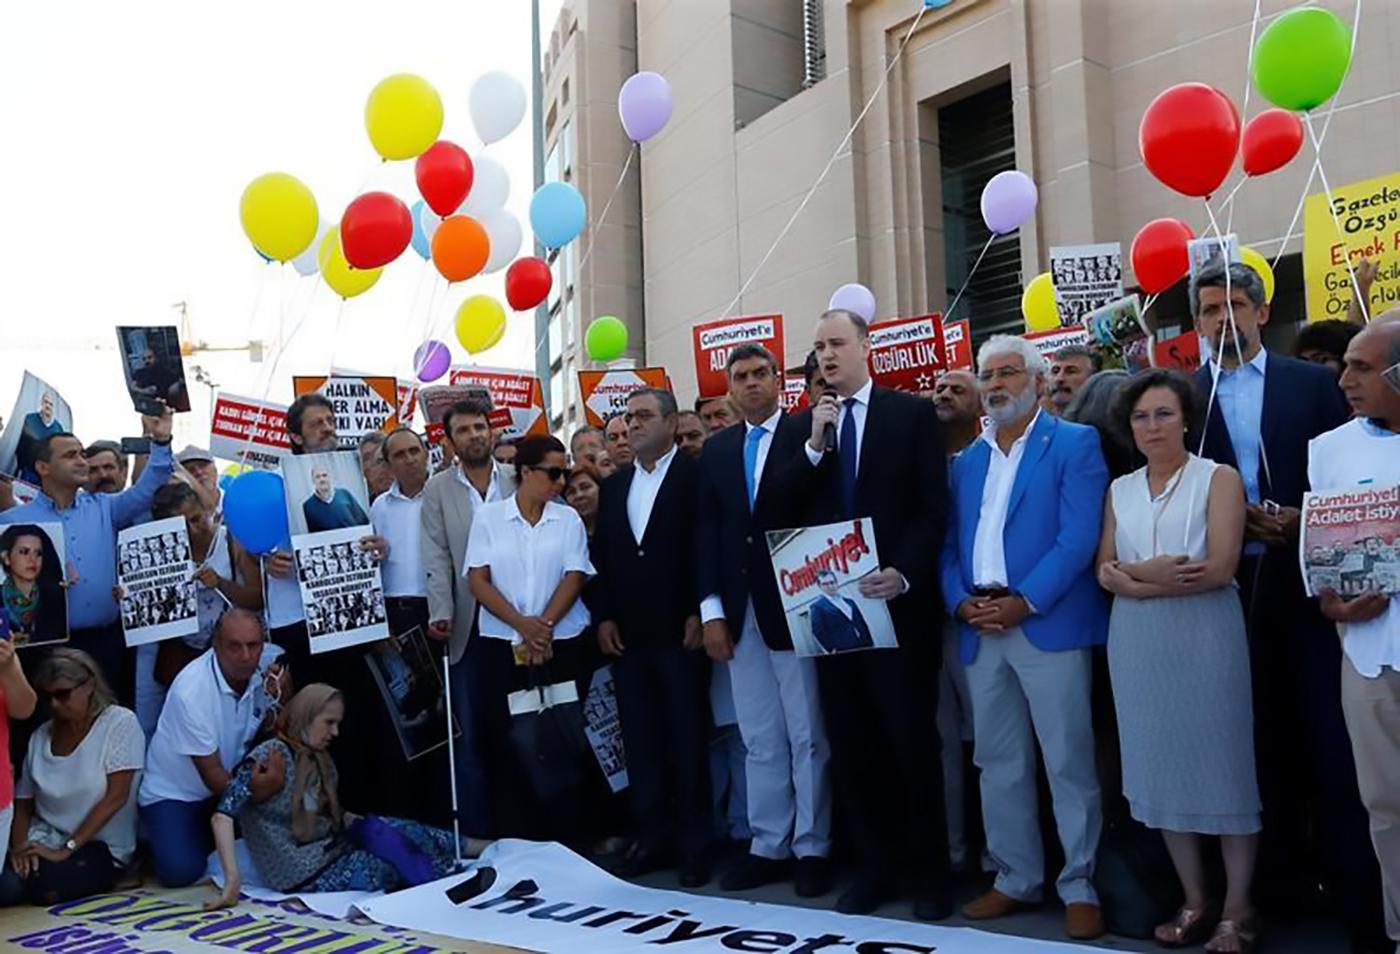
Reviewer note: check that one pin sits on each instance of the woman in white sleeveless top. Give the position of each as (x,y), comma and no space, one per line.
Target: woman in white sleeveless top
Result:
(1179,660)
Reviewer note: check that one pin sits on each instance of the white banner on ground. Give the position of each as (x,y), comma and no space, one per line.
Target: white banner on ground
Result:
(574,906)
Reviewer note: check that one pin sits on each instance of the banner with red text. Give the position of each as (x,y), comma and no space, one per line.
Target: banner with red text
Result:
(604,393)
(1182,353)
(957,344)
(437,398)
(1049,342)
(1351,541)
(248,430)
(908,354)
(714,340)
(518,392)
(794,396)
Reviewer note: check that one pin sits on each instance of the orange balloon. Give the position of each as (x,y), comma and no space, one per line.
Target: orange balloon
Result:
(461,248)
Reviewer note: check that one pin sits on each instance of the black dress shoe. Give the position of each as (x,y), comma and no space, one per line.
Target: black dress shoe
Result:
(933,904)
(639,862)
(863,896)
(694,873)
(813,877)
(751,872)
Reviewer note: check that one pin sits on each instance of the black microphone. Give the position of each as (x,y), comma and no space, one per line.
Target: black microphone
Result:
(831,438)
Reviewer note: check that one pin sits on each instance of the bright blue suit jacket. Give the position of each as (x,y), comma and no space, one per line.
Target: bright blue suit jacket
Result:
(1052,535)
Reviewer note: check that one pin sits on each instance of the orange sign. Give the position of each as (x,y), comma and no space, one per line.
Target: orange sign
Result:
(362,405)
(517,392)
(604,393)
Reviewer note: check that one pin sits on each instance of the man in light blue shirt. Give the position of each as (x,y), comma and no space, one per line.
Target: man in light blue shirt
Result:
(90,524)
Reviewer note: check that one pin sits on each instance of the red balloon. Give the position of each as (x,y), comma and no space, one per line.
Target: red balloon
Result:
(1271,140)
(527,283)
(1159,254)
(444,174)
(375,230)
(1188,138)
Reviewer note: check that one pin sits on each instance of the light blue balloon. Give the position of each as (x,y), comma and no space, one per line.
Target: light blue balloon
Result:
(557,214)
(420,242)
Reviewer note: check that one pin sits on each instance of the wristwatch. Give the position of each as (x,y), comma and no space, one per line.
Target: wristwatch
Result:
(71,845)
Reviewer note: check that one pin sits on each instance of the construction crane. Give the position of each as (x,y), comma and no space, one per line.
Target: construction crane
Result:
(189,346)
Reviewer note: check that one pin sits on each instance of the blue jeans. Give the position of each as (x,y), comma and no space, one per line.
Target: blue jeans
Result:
(473,795)
(180,839)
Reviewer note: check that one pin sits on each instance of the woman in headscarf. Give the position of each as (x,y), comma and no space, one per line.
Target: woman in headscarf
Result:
(300,839)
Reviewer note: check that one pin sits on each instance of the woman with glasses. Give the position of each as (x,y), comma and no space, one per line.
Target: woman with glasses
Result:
(1179,661)
(75,805)
(527,562)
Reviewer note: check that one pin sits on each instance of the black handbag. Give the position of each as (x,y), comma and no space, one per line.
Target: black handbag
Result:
(548,739)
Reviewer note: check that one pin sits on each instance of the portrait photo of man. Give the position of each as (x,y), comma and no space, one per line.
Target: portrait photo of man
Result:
(838,625)
(330,507)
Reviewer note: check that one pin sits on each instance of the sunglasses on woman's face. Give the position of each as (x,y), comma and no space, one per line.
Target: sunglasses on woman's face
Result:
(554,473)
(63,695)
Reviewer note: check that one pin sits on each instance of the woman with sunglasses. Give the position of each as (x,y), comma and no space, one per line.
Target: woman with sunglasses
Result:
(75,805)
(527,562)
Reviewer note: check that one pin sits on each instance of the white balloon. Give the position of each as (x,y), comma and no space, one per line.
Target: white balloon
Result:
(430,222)
(308,263)
(490,188)
(504,231)
(497,104)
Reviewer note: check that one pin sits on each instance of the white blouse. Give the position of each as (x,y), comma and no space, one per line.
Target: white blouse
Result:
(1171,524)
(65,788)
(528,562)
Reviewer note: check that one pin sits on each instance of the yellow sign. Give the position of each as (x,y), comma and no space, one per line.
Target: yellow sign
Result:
(1369,213)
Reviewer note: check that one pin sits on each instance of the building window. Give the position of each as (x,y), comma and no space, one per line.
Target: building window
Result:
(556,395)
(556,284)
(556,337)
(567,272)
(566,146)
(564,92)
(553,168)
(570,318)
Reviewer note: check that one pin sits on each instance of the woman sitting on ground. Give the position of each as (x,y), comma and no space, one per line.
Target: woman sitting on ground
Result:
(300,839)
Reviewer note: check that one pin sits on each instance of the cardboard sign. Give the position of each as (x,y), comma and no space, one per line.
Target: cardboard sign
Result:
(714,340)
(957,344)
(1369,212)
(907,354)
(1086,277)
(159,599)
(605,393)
(794,396)
(1049,342)
(363,405)
(1351,541)
(1182,353)
(406,390)
(517,393)
(249,431)
(437,398)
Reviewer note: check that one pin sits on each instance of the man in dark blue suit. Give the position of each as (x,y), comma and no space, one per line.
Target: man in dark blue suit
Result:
(837,622)
(1262,410)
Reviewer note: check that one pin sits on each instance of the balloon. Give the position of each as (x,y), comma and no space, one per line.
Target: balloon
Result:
(1008,199)
(267,259)
(606,338)
(306,263)
(421,241)
(1038,304)
(481,321)
(254,511)
(497,104)
(428,221)
(644,103)
(345,281)
(278,213)
(375,230)
(1271,140)
(490,189)
(460,248)
(1188,138)
(431,360)
(1262,268)
(403,116)
(527,283)
(444,175)
(504,231)
(557,214)
(1159,254)
(855,298)
(1302,57)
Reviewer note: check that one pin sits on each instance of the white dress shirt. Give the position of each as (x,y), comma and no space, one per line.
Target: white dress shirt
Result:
(712,607)
(528,562)
(493,489)
(989,546)
(399,520)
(641,496)
(858,412)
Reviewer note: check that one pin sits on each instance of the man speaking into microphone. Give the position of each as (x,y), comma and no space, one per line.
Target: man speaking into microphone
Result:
(878,453)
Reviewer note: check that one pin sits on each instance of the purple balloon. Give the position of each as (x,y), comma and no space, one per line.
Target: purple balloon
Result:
(432,359)
(855,298)
(644,104)
(1007,201)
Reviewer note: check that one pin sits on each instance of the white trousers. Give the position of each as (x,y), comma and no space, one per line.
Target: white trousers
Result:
(780,719)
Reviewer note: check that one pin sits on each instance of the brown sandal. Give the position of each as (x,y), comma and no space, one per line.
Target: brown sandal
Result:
(1240,935)
(1189,928)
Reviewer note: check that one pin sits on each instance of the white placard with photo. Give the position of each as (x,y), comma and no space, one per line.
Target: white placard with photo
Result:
(1086,277)
(341,589)
(325,491)
(39,412)
(604,728)
(156,578)
(33,599)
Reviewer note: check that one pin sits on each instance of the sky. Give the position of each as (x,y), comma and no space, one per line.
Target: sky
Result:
(130,137)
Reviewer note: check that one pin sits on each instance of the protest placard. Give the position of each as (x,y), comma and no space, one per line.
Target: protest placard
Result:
(437,398)
(794,396)
(1369,212)
(1350,542)
(341,589)
(325,491)
(362,405)
(1049,342)
(405,670)
(39,412)
(1182,352)
(908,354)
(1086,277)
(1121,334)
(34,610)
(715,339)
(604,393)
(249,431)
(154,369)
(156,577)
(1203,251)
(604,729)
(957,341)
(818,571)
(405,391)
(516,396)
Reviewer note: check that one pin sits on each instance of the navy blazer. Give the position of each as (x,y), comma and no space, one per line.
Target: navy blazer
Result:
(833,631)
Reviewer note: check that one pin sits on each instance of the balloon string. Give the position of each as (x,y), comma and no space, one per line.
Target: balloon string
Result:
(948,316)
(836,154)
(1336,221)
(597,226)
(1244,111)
(1230,312)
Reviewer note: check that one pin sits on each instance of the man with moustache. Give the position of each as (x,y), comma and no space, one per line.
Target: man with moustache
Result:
(690,433)
(107,467)
(959,408)
(615,435)
(1071,368)
(716,413)
(586,445)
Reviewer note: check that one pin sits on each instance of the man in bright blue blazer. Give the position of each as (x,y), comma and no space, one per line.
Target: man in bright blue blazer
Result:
(1018,571)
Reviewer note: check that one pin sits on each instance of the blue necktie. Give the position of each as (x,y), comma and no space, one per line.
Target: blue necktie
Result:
(751,461)
(847,450)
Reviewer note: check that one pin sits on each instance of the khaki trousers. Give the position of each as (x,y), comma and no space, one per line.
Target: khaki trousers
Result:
(1372,710)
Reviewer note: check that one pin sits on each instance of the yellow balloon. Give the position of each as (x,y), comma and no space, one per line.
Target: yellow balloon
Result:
(345,281)
(1260,264)
(403,116)
(481,322)
(279,215)
(1038,304)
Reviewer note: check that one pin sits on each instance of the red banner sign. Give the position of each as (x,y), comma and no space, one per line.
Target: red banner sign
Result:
(794,396)
(907,354)
(516,395)
(714,340)
(1049,342)
(1182,352)
(957,344)
(248,428)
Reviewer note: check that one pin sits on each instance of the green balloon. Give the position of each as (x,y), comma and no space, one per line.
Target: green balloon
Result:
(606,339)
(1301,58)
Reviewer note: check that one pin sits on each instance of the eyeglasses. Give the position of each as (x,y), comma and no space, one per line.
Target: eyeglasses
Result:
(62,695)
(1001,374)
(554,473)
